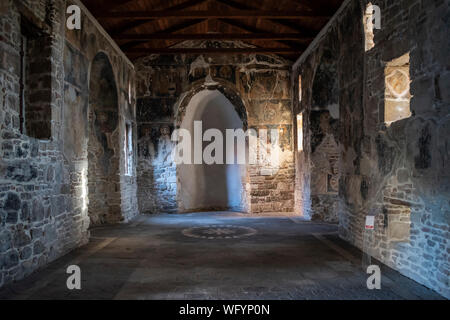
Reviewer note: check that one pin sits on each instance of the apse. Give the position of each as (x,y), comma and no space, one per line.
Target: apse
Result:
(216,186)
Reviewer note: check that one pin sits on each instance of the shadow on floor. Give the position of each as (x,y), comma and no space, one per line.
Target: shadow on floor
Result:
(215,256)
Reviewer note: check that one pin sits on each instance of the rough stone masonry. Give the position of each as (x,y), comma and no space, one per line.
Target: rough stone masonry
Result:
(44,156)
(397,170)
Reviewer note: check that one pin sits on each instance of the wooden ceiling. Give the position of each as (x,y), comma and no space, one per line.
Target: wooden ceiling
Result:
(143,27)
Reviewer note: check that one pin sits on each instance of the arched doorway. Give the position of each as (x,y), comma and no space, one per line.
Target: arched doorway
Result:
(103,146)
(217,186)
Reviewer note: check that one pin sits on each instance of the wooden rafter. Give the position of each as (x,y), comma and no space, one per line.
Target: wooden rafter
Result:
(316,5)
(142,39)
(242,6)
(143,27)
(135,24)
(305,4)
(214,50)
(247,28)
(209,14)
(213,36)
(111,5)
(173,28)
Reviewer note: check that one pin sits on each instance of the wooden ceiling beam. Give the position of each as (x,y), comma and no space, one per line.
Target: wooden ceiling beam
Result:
(247,28)
(213,50)
(304,4)
(173,28)
(213,36)
(292,25)
(322,6)
(241,6)
(209,14)
(129,26)
(101,7)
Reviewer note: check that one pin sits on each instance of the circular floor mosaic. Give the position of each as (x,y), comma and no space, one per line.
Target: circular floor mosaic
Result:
(219,231)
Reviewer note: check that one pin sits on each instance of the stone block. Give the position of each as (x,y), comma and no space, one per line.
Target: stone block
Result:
(12,217)
(25,212)
(21,238)
(12,202)
(38,212)
(38,248)
(398,231)
(9,260)
(26,253)
(5,241)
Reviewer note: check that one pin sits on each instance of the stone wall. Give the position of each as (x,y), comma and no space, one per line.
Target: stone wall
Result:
(98,78)
(317,173)
(395,170)
(324,132)
(43,179)
(259,82)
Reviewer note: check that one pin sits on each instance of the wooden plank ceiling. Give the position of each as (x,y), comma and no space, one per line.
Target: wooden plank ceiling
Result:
(283,27)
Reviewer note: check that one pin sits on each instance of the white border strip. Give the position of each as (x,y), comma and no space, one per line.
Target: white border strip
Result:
(102,31)
(320,36)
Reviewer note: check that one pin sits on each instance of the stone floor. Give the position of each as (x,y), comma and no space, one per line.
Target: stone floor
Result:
(216,256)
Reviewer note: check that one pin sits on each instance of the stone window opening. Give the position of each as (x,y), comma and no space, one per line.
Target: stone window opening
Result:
(368,27)
(397,90)
(35,82)
(128,149)
(300,132)
(129,92)
(300,88)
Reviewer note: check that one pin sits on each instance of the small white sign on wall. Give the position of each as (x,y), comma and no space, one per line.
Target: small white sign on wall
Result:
(370,222)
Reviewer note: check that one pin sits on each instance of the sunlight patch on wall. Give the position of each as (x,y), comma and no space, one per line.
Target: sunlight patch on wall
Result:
(300,132)
(397,90)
